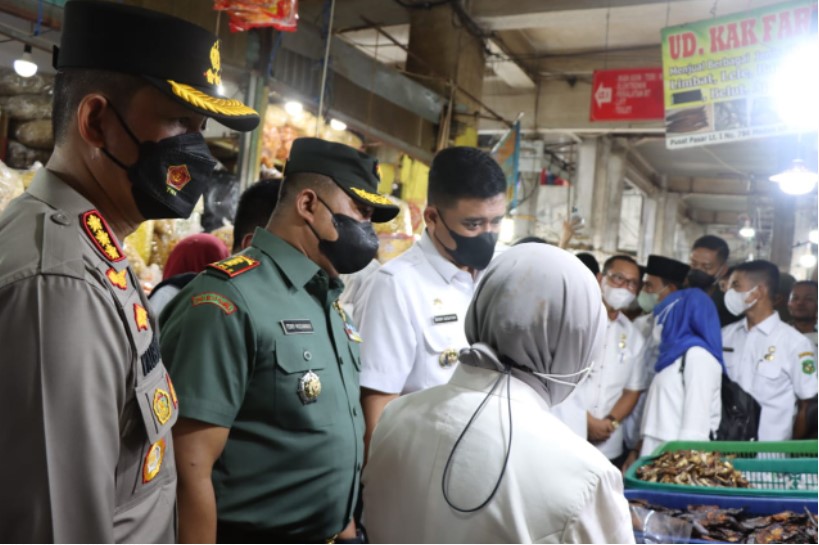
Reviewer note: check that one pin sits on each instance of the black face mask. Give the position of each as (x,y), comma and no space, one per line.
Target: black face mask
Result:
(355,247)
(700,279)
(473,252)
(169,176)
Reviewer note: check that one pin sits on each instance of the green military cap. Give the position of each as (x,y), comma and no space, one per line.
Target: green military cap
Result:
(179,58)
(357,173)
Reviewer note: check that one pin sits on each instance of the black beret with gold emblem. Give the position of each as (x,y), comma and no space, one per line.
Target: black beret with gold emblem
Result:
(179,58)
(355,172)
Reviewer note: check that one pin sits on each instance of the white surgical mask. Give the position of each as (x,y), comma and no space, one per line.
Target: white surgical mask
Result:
(735,301)
(617,298)
(556,377)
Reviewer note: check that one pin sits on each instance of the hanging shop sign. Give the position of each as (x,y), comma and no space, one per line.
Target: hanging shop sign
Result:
(635,94)
(718,74)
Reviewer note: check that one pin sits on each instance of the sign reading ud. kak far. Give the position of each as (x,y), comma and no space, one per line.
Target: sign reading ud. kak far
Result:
(718,74)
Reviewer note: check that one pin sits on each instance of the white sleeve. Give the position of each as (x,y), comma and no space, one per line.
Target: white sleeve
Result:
(605,518)
(637,376)
(802,367)
(389,347)
(703,378)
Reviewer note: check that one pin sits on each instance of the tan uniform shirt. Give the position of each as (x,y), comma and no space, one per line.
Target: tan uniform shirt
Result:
(86,405)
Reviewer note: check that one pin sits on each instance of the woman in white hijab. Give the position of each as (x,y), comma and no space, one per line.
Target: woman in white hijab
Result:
(481,459)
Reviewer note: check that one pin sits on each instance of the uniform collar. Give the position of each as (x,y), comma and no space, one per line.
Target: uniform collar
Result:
(53,191)
(296,267)
(766,326)
(442,265)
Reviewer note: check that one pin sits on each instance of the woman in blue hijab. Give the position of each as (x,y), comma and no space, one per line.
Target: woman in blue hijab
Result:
(683,402)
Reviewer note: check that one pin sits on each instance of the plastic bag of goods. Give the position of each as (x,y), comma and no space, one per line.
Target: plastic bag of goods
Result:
(246,14)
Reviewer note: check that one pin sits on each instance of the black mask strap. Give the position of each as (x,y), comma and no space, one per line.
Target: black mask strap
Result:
(128,131)
(310,225)
(505,373)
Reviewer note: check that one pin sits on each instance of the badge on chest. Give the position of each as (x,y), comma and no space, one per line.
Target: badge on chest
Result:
(309,387)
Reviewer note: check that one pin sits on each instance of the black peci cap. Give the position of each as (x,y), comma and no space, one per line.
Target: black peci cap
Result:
(355,172)
(667,268)
(179,58)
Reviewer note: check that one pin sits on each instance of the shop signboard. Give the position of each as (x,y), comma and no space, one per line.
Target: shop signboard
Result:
(634,94)
(718,74)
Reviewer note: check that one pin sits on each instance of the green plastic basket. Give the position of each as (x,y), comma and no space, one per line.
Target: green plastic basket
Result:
(784,469)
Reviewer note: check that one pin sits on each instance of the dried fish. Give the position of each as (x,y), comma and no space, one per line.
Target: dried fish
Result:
(711,523)
(692,468)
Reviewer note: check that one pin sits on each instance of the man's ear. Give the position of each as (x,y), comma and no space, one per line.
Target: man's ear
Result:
(89,117)
(306,204)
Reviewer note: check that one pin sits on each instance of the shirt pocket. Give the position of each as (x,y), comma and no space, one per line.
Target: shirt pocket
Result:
(157,403)
(769,371)
(304,392)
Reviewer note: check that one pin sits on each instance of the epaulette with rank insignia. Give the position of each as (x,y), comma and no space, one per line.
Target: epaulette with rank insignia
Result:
(235,265)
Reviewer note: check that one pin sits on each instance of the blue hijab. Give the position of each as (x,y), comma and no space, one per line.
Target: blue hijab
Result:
(689,318)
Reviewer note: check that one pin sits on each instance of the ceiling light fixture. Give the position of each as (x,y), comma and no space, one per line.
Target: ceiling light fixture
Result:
(293,108)
(797,179)
(807,261)
(338,125)
(747,231)
(25,65)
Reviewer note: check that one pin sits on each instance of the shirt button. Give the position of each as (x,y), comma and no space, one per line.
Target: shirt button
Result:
(60,218)
(307,355)
(358,466)
(355,411)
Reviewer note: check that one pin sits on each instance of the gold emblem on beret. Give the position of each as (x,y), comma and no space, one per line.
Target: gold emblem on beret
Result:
(214,73)
(373,198)
(448,357)
(309,387)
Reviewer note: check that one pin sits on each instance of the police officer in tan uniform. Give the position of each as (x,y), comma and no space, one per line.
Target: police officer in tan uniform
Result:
(86,405)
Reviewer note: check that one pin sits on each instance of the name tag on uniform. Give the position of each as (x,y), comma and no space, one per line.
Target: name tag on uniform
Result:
(727,349)
(297,327)
(445,318)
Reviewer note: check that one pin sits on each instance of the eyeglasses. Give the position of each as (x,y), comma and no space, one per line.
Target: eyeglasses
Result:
(619,281)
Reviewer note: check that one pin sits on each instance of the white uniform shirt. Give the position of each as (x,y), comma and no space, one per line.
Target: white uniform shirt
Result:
(618,370)
(648,358)
(356,289)
(774,363)
(683,412)
(556,489)
(414,315)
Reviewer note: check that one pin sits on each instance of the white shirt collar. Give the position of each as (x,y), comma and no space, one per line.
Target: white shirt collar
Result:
(442,265)
(766,326)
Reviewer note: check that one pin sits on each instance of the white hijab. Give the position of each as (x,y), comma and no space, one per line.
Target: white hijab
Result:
(539,307)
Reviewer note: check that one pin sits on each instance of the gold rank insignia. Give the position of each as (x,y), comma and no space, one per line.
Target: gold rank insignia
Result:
(309,387)
(153,461)
(178,177)
(235,265)
(622,343)
(162,405)
(118,279)
(771,353)
(140,317)
(101,235)
(448,357)
(172,390)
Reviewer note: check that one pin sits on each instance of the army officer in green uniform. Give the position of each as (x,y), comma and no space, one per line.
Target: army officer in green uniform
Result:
(269,443)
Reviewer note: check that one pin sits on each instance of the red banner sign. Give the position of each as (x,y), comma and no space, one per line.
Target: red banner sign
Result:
(627,95)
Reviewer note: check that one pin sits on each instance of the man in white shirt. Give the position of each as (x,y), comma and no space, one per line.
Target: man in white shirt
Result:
(768,358)
(413,322)
(802,308)
(663,276)
(615,383)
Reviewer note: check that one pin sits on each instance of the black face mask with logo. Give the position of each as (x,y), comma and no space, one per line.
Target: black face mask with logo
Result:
(473,252)
(355,247)
(169,176)
(700,279)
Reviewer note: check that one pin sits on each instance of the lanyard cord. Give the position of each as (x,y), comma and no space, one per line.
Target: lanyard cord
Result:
(508,374)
